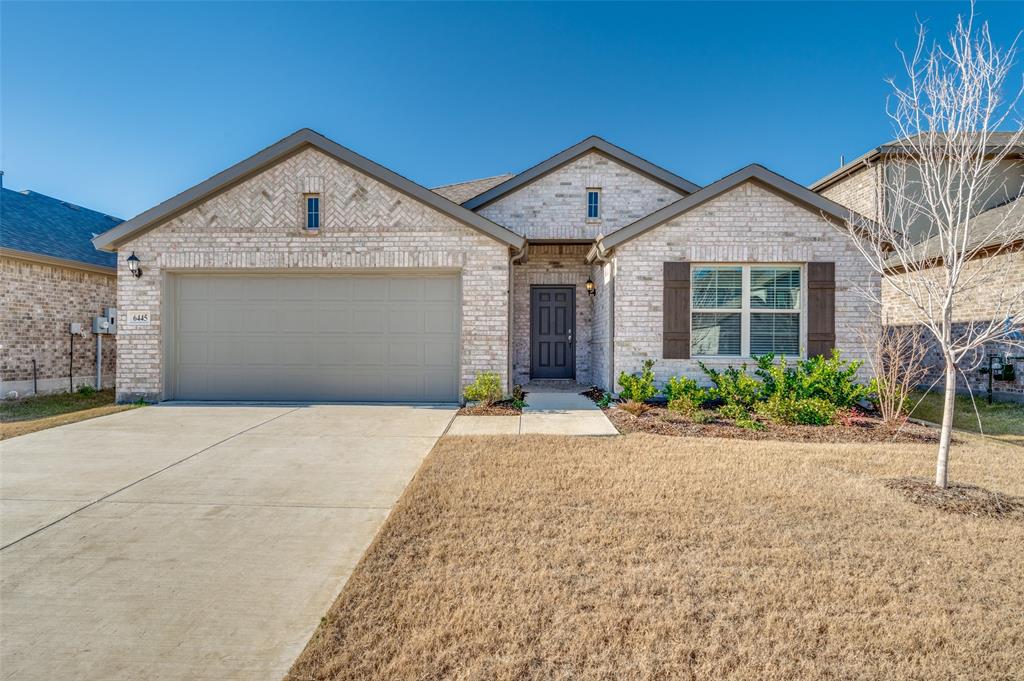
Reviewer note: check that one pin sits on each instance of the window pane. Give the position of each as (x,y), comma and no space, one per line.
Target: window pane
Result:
(717,287)
(715,333)
(774,332)
(775,288)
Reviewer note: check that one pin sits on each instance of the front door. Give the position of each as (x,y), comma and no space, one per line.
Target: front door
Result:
(552,317)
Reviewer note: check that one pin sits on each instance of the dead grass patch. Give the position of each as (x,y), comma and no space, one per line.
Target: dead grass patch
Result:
(647,557)
(16,428)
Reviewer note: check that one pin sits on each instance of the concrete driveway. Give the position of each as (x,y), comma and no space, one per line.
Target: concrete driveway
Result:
(192,542)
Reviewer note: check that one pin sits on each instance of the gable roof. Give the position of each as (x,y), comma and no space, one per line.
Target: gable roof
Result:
(771,181)
(997,141)
(40,225)
(592,143)
(280,150)
(460,192)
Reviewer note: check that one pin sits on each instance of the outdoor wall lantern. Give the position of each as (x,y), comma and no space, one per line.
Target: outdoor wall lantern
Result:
(133,265)
(591,287)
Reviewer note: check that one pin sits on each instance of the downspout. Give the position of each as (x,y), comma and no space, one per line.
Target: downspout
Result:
(598,253)
(512,262)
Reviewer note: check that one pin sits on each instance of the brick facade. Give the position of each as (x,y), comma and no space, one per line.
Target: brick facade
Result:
(745,225)
(555,205)
(552,265)
(38,302)
(257,225)
(859,191)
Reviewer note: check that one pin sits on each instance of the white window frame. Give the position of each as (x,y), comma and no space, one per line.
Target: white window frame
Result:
(586,206)
(744,310)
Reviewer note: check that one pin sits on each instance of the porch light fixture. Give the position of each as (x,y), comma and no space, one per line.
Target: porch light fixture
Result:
(591,287)
(133,265)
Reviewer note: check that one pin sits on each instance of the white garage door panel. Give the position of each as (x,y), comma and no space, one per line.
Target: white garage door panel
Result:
(343,338)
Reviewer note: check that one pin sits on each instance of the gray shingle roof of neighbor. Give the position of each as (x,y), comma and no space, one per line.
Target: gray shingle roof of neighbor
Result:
(592,143)
(997,140)
(752,173)
(280,150)
(38,224)
(985,230)
(460,192)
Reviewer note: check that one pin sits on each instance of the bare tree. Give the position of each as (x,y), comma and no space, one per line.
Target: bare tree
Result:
(956,131)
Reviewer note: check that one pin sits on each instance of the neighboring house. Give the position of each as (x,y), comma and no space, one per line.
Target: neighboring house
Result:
(52,277)
(859,185)
(310,272)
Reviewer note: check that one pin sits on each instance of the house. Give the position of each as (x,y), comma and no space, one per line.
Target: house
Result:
(52,277)
(309,272)
(861,186)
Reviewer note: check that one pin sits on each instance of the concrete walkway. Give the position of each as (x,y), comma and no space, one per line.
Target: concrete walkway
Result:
(192,542)
(547,413)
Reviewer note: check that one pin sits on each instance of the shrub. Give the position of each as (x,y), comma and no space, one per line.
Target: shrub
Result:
(638,387)
(635,408)
(733,411)
(682,387)
(518,396)
(812,411)
(486,389)
(686,406)
(733,386)
(830,379)
(605,400)
(85,390)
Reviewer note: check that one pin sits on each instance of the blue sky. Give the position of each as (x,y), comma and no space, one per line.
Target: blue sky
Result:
(118,106)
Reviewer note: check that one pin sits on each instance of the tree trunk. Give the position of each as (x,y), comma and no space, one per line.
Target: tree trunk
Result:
(946,433)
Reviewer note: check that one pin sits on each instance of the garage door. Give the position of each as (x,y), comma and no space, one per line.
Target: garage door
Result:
(334,338)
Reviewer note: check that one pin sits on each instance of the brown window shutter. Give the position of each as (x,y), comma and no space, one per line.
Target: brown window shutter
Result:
(821,308)
(676,330)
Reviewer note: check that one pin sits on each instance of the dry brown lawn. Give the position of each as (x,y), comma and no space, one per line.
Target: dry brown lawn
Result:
(653,557)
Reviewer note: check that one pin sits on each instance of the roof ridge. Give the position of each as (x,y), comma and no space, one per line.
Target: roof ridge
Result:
(476,179)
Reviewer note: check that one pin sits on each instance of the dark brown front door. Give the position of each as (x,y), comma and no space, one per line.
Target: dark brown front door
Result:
(552,317)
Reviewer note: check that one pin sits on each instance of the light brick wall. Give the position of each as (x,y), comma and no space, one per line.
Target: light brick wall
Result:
(858,191)
(555,206)
(552,265)
(747,224)
(601,336)
(38,302)
(974,305)
(364,225)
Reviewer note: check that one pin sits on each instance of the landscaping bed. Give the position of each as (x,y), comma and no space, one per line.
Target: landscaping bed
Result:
(503,408)
(528,558)
(661,421)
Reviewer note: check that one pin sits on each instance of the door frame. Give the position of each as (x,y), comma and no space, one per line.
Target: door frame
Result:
(572,345)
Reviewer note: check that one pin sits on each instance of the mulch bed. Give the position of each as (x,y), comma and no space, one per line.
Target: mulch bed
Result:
(960,499)
(593,392)
(661,421)
(503,408)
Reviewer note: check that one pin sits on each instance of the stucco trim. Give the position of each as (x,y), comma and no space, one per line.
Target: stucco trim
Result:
(752,173)
(111,239)
(57,262)
(592,143)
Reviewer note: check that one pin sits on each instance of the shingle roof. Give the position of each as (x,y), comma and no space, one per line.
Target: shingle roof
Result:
(460,192)
(996,140)
(31,222)
(983,230)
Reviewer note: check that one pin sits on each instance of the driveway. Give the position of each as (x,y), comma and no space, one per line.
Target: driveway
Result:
(192,542)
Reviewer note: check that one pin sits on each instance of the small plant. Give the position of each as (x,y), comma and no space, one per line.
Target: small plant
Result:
(733,385)
(682,387)
(749,423)
(733,411)
(85,390)
(635,408)
(638,387)
(486,389)
(518,396)
(605,400)
(686,406)
(812,411)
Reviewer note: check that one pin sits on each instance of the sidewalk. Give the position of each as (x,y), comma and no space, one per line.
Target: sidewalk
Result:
(547,413)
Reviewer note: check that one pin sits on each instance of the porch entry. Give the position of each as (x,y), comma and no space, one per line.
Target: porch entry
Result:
(552,317)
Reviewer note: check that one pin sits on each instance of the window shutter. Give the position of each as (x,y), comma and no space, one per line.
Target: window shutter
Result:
(676,311)
(821,308)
